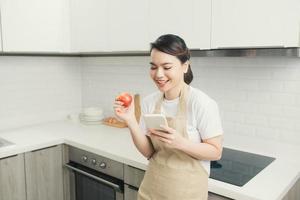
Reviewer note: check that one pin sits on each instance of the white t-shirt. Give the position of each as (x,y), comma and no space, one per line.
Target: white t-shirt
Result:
(203,118)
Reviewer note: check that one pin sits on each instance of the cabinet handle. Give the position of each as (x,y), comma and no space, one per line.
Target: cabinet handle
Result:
(133,188)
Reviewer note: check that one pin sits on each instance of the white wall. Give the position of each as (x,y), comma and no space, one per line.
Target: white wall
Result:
(105,77)
(38,89)
(257,96)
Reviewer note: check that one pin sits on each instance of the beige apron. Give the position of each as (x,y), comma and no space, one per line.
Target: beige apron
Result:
(172,174)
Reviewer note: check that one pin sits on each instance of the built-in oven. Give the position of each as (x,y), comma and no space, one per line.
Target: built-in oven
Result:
(93,177)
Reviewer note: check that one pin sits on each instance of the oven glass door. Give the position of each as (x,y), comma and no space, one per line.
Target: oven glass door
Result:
(93,185)
(90,189)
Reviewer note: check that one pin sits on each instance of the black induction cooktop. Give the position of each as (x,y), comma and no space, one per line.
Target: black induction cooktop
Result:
(238,167)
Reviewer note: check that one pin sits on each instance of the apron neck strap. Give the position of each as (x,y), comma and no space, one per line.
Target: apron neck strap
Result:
(182,101)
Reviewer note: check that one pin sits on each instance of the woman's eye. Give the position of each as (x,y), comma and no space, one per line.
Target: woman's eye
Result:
(167,68)
(153,67)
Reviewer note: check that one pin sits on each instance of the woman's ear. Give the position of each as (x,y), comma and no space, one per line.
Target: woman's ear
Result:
(186,66)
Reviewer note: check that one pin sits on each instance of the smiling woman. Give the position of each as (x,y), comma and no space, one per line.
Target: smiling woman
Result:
(169,61)
(166,71)
(179,155)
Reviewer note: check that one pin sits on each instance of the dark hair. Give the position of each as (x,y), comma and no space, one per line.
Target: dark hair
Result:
(175,46)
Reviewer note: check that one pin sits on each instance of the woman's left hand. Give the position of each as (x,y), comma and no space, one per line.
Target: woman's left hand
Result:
(169,136)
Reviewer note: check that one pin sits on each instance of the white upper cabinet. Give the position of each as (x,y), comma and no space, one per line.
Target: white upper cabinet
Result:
(0,41)
(128,25)
(189,19)
(89,24)
(0,29)
(109,25)
(35,25)
(0,32)
(255,23)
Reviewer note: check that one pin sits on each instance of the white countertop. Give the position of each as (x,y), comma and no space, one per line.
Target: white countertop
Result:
(270,184)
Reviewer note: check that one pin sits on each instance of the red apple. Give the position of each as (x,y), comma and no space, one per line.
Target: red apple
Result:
(126,98)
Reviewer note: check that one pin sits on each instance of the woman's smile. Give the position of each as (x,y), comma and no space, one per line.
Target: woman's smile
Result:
(161,83)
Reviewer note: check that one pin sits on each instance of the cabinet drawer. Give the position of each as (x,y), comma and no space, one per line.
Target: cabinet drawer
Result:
(130,193)
(133,176)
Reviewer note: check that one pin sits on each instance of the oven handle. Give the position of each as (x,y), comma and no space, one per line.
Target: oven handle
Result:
(115,186)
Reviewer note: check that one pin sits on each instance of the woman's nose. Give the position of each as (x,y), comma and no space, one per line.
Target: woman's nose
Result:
(159,72)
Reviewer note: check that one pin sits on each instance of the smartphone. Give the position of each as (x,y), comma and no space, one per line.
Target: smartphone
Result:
(155,120)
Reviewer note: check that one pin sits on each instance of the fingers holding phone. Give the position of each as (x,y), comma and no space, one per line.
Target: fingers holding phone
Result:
(159,129)
(169,136)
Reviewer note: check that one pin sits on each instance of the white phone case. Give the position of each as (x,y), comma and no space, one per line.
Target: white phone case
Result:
(155,120)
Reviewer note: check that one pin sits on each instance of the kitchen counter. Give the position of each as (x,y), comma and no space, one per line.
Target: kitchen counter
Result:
(272,183)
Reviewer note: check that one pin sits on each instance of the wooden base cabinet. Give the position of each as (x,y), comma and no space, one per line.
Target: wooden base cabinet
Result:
(12,178)
(44,174)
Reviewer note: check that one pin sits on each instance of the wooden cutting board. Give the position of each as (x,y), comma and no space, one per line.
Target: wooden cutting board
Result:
(113,121)
(137,107)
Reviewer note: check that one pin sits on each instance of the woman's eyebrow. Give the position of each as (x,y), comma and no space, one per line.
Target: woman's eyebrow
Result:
(152,63)
(163,64)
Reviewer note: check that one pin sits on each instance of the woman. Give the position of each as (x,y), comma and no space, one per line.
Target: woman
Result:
(179,157)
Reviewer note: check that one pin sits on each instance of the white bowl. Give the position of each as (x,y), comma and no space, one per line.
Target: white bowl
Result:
(90,118)
(92,111)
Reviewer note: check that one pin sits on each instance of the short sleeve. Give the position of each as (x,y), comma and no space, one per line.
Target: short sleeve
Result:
(209,121)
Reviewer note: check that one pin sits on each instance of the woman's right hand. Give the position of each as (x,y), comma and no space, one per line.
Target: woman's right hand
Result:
(123,113)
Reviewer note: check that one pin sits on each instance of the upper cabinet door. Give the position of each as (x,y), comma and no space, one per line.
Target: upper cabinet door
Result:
(0,31)
(255,23)
(0,26)
(128,25)
(35,25)
(89,24)
(189,19)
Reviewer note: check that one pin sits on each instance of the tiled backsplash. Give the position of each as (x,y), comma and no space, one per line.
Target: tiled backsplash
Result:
(105,77)
(38,89)
(259,97)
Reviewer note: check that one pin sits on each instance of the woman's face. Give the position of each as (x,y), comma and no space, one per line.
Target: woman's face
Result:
(167,71)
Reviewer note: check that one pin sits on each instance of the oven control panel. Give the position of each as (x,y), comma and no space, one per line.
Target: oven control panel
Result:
(96,162)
